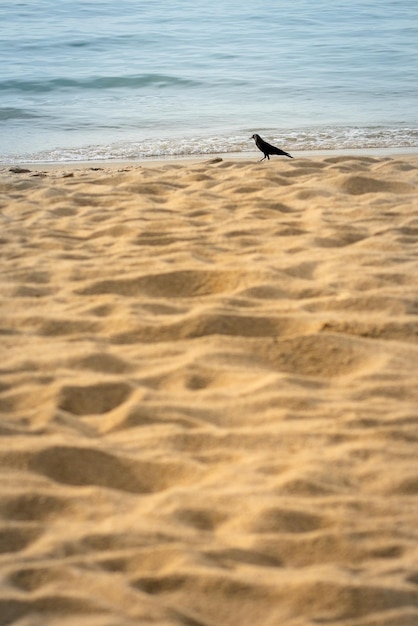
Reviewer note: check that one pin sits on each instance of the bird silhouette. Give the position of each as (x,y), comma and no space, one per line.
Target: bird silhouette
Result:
(267,148)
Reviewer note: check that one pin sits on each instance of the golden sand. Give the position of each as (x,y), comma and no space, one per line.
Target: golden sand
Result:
(208,394)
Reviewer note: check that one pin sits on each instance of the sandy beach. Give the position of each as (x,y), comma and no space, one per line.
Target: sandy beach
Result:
(208,393)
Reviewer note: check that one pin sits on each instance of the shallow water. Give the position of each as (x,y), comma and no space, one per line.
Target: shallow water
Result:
(125,80)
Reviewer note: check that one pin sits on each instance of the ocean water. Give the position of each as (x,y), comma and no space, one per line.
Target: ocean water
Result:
(128,79)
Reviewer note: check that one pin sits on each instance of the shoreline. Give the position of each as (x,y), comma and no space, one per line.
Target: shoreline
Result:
(240,156)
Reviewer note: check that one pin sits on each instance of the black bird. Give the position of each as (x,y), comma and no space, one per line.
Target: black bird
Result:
(267,148)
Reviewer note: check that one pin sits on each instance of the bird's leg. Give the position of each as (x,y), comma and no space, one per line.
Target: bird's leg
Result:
(263,158)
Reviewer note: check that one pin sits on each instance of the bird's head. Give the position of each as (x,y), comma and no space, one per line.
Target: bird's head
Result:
(254,137)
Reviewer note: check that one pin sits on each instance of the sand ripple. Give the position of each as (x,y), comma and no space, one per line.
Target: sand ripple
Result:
(208,394)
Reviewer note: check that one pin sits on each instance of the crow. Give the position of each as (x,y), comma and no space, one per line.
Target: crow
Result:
(267,148)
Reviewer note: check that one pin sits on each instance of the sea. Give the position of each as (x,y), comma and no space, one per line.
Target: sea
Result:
(89,80)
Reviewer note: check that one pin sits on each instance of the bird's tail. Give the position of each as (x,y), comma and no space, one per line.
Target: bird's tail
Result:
(280,152)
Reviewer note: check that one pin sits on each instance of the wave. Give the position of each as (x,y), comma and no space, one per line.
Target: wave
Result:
(351,137)
(294,140)
(14,113)
(97,83)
